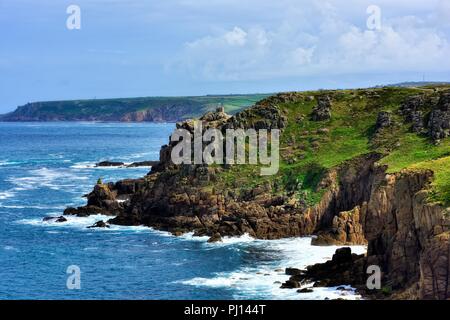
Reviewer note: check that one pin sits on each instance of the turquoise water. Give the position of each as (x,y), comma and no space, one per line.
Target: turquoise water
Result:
(45,167)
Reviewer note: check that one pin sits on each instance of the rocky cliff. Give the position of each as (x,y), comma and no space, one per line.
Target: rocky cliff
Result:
(358,166)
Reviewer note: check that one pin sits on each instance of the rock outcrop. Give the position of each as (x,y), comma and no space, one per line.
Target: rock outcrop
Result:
(99,224)
(384,120)
(343,268)
(439,123)
(407,237)
(323,109)
(413,112)
(109,164)
(346,229)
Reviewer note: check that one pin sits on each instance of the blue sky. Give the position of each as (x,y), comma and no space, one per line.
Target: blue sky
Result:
(194,47)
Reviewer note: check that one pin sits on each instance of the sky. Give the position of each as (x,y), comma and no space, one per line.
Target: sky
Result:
(140,48)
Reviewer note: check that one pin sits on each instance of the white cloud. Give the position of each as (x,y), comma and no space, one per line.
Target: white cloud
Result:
(236,37)
(322,38)
(302,56)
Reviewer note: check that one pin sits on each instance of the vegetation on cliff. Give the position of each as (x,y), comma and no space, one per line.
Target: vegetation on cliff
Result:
(130,109)
(309,149)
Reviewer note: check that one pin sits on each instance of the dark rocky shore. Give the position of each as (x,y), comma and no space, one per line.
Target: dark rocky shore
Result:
(407,236)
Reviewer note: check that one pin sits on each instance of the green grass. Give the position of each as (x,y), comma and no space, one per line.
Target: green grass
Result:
(414,149)
(416,152)
(309,148)
(440,187)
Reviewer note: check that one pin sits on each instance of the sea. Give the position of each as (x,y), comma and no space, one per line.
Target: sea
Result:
(45,167)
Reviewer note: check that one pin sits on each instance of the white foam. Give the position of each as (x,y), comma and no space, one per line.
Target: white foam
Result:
(84,222)
(234,240)
(93,165)
(6,195)
(72,221)
(83,165)
(189,236)
(33,207)
(8,163)
(49,178)
(264,281)
(10,248)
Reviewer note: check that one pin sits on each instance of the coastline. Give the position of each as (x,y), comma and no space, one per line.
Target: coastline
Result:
(350,195)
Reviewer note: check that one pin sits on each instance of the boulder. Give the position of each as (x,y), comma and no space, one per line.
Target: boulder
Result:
(56,219)
(439,123)
(61,219)
(346,229)
(293,271)
(322,111)
(109,164)
(84,211)
(99,224)
(216,237)
(143,164)
(383,120)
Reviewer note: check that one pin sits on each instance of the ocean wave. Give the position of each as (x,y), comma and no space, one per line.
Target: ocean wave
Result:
(264,281)
(10,248)
(8,163)
(84,222)
(6,195)
(93,165)
(83,165)
(140,155)
(189,236)
(49,178)
(37,207)
(72,221)
(261,281)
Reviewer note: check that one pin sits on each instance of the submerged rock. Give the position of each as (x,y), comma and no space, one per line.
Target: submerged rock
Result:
(99,224)
(110,164)
(215,238)
(293,271)
(61,219)
(143,164)
(56,219)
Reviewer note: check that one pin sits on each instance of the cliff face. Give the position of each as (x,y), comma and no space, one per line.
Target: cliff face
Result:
(408,236)
(350,198)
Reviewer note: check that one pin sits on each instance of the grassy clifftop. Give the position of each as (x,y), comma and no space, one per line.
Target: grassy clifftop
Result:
(130,109)
(309,148)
